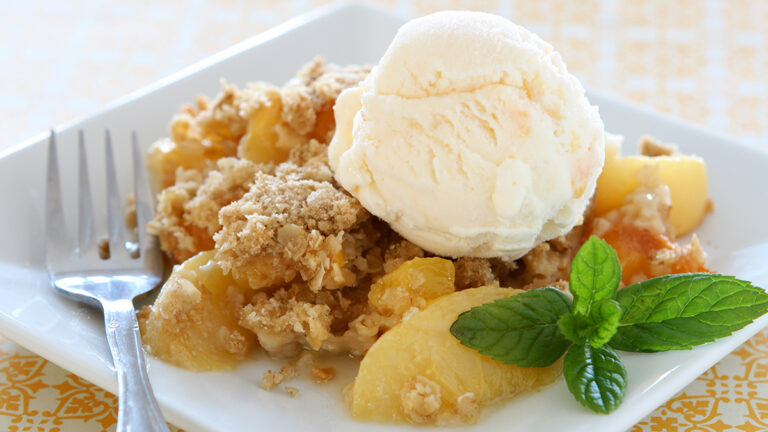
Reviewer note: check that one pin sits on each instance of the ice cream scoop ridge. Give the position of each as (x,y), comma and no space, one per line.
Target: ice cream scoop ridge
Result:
(470,138)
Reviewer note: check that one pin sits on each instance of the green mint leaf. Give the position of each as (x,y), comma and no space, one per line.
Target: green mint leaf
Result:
(680,311)
(519,330)
(597,328)
(595,275)
(595,376)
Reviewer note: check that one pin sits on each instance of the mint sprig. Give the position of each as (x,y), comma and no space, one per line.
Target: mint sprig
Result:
(535,328)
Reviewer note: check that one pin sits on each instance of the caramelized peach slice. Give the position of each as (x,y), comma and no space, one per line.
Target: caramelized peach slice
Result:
(419,372)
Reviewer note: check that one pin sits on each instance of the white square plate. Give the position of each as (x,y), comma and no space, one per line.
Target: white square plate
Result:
(71,335)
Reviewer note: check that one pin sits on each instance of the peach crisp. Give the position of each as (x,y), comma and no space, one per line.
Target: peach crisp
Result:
(271,254)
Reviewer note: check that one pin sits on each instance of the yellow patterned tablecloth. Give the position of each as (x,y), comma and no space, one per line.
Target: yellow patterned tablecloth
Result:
(703,61)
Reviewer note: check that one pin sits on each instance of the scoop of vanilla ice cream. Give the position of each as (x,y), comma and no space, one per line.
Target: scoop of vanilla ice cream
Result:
(470,138)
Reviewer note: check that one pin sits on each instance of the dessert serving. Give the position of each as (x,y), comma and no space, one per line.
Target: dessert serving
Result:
(411,213)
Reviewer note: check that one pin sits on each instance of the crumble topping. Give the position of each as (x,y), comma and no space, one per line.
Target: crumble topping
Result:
(187,213)
(298,255)
(295,220)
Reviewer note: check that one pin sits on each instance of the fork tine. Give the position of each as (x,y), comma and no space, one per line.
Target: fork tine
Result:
(57,243)
(114,209)
(85,204)
(141,192)
(149,250)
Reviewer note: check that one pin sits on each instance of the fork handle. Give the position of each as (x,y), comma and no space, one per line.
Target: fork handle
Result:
(137,407)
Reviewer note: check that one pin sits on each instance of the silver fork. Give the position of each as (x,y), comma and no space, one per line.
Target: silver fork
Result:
(75,268)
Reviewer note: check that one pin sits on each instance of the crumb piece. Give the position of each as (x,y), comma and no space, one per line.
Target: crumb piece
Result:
(409,313)
(650,146)
(130,213)
(467,407)
(562,285)
(272,379)
(292,391)
(473,272)
(420,399)
(103,246)
(320,375)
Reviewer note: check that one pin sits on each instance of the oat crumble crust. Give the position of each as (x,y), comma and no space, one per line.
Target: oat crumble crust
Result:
(295,220)
(308,252)
(186,216)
